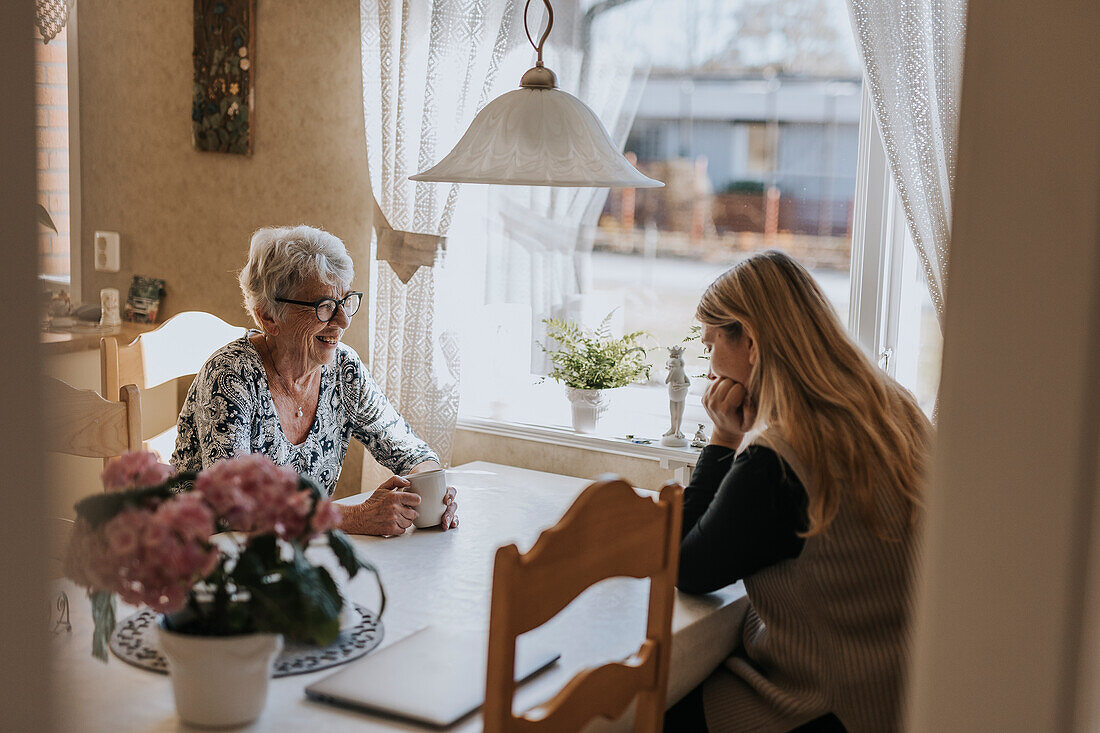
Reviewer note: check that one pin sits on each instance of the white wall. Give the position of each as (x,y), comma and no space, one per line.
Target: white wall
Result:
(1000,621)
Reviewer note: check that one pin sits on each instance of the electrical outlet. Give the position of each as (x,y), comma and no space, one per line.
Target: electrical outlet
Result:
(106,251)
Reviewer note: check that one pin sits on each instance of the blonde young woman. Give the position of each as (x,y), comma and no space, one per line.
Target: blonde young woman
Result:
(809,491)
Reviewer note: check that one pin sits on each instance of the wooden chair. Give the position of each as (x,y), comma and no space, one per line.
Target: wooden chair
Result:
(609,531)
(80,422)
(174,351)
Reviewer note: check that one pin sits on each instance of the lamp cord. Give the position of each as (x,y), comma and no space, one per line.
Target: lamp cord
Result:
(549,24)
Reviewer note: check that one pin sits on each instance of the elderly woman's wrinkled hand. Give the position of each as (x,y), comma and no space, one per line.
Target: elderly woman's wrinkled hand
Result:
(450,515)
(388,511)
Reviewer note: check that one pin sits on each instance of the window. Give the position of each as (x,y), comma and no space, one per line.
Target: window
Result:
(57,182)
(647,140)
(891,314)
(919,346)
(753,115)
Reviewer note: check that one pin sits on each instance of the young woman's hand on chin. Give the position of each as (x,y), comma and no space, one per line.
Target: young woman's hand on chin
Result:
(731,409)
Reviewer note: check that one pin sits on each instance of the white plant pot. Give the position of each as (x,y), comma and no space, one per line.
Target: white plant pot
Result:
(219,681)
(588,406)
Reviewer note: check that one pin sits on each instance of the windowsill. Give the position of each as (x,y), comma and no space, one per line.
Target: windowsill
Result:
(55,280)
(540,413)
(668,457)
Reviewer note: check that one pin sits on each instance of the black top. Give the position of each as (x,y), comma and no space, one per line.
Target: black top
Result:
(740,516)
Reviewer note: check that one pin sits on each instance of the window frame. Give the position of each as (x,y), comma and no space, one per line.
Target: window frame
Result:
(75,221)
(877,246)
(885,268)
(72,91)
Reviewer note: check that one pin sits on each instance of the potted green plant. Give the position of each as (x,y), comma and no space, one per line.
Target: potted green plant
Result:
(221,554)
(590,362)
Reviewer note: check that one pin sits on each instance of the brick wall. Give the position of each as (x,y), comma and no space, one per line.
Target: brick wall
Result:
(52,142)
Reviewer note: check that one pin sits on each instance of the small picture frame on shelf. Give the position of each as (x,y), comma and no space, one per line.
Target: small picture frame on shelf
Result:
(143,301)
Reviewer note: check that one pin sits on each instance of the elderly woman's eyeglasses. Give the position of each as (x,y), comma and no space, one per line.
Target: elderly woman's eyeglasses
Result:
(325,308)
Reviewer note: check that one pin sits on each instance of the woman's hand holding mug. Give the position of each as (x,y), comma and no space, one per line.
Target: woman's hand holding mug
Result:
(388,511)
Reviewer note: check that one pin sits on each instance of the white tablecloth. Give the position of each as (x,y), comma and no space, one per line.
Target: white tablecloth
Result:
(431,577)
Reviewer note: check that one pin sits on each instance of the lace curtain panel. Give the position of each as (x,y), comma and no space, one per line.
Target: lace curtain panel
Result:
(50,17)
(912,54)
(428,67)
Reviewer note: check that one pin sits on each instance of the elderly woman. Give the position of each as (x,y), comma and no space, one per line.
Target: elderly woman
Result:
(294,392)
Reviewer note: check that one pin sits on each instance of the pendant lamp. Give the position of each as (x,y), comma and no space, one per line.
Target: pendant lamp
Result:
(537,135)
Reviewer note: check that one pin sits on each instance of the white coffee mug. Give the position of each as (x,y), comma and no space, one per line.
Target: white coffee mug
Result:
(431,487)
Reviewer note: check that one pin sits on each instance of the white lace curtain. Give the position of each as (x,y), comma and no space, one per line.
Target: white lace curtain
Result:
(428,67)
(50,17)
(912,54)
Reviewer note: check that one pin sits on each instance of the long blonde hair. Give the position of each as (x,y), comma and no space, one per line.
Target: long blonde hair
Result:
(859,433)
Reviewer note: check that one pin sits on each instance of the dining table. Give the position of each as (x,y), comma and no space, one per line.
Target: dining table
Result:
(431,578)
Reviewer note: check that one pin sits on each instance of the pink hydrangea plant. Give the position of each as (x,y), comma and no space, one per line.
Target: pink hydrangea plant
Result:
(149,540)
(147,555)
(254,495)
(135,469)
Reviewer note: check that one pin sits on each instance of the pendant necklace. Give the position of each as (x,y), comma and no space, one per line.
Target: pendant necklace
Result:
(286,384)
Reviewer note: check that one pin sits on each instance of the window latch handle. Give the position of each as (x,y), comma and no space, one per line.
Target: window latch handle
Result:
(884,358)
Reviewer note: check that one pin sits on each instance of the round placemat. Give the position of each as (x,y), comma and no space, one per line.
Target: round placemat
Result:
(134,641)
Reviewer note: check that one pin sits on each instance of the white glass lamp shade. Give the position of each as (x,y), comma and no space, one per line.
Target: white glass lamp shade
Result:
(537,137)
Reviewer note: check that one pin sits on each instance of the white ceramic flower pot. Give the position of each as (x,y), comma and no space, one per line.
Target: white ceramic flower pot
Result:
(219,681)
(588,406)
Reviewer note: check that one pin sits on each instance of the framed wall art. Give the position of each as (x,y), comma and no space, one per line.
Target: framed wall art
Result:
(221,109)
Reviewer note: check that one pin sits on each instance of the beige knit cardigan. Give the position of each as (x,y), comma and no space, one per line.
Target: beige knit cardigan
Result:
(824,632)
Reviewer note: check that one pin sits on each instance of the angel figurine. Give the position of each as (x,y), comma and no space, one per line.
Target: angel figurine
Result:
(678,383)
(700,439)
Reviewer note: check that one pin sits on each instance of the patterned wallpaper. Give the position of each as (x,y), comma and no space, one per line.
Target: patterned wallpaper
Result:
(187,216)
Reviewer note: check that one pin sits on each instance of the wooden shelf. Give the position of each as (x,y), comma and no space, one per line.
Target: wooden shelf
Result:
(63,342)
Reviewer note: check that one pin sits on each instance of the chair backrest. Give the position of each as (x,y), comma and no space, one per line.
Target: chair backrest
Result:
(175,350)
(79,422)
(609,531)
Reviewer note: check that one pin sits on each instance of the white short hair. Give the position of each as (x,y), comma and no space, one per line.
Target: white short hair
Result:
(281,259)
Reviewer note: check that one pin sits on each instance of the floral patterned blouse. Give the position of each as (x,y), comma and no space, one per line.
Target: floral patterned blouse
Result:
(229,411)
